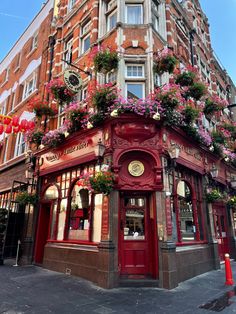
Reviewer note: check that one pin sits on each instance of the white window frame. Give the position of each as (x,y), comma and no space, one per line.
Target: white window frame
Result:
(27,91)
(34,44)
(6,149)
(111,77)
(155,15)
(71,4)
(109,16)
(134,5)
(68,52)
(134,65)
(20,146)
(18,61)
(135,83)
(13,99)
(85,33)
(3,107)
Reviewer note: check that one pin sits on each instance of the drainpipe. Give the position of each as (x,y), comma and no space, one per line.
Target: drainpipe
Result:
(191,39)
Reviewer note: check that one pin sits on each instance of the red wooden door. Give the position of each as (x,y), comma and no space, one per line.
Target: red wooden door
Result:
(42,232)
(221,232)
(135,255)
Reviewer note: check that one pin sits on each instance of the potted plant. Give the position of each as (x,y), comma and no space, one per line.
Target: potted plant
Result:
(164,61)
(103,96)
(59,91)
(102,182)
(76,117)
(53,138)
(24,198)
(106,60)
(34,137)
(186,78)
(41,108)
(214,104)
(190,114)
(232,202)
(214,196)
(196,90)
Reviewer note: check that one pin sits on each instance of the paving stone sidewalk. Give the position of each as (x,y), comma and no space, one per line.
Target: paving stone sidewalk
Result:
(32,289)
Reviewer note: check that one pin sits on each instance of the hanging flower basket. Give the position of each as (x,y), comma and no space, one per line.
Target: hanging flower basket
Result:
(59,91)
(101,182)
(76,117)
(106,61)
(232,202)
(186,78)
(164,61)
(196,91)
(214,196)
(53,138)
(24,198)
(214,104)
(41,108)
(34,137)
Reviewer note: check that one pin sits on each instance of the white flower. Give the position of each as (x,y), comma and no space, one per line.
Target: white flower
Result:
(211,148)
(89,125)
(114,113)
(156,116)
(104,167)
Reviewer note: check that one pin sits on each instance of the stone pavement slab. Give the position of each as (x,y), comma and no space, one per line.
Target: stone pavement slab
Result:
(31,289)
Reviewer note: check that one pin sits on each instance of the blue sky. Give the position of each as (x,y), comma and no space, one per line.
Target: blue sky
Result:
(15,16)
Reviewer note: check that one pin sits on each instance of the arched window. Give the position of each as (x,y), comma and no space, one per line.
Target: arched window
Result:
(80,213)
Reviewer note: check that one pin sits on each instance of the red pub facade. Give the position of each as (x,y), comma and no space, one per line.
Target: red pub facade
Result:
(157,225)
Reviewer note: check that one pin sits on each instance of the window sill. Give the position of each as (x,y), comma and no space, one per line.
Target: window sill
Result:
(31,52)
(70,244)
(5,82)
(189,247)
(17,69)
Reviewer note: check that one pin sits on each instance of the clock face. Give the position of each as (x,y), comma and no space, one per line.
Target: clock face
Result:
(136,168)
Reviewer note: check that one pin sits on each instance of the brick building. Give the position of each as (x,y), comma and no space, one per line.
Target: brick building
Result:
(158,223)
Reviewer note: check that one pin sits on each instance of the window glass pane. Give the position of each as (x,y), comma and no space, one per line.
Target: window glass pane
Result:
(79,214)
(187,227)
(135,90)
(86,43)
(97,218)
(134,14)
(134,224)
(111,23)
(134,71)
(61,219)
(53,220)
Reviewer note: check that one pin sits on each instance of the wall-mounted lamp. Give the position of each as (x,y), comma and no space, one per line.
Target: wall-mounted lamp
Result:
(99,150)
(214,171)
(174,152)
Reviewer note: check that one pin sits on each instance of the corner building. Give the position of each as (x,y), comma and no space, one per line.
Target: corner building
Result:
(156,225)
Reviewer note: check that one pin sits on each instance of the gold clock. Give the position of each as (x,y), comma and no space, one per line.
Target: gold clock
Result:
(136,168)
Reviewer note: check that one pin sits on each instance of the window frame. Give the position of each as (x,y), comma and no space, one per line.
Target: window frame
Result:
(34,43)
(70,5)
(20,143)
(68,51)
(26,93)
(196,195)
(129,4)
(85,33)
(135,83)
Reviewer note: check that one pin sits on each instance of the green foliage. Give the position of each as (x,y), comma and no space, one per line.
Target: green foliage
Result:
(218,137)
(102,182)
(105,61)
(103,97)
(196,91)
(210,107)
(190,114)
(36,137)
(213,196)
(191,132)
(24,198)
(185,78)
(165,64)
(232,201)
